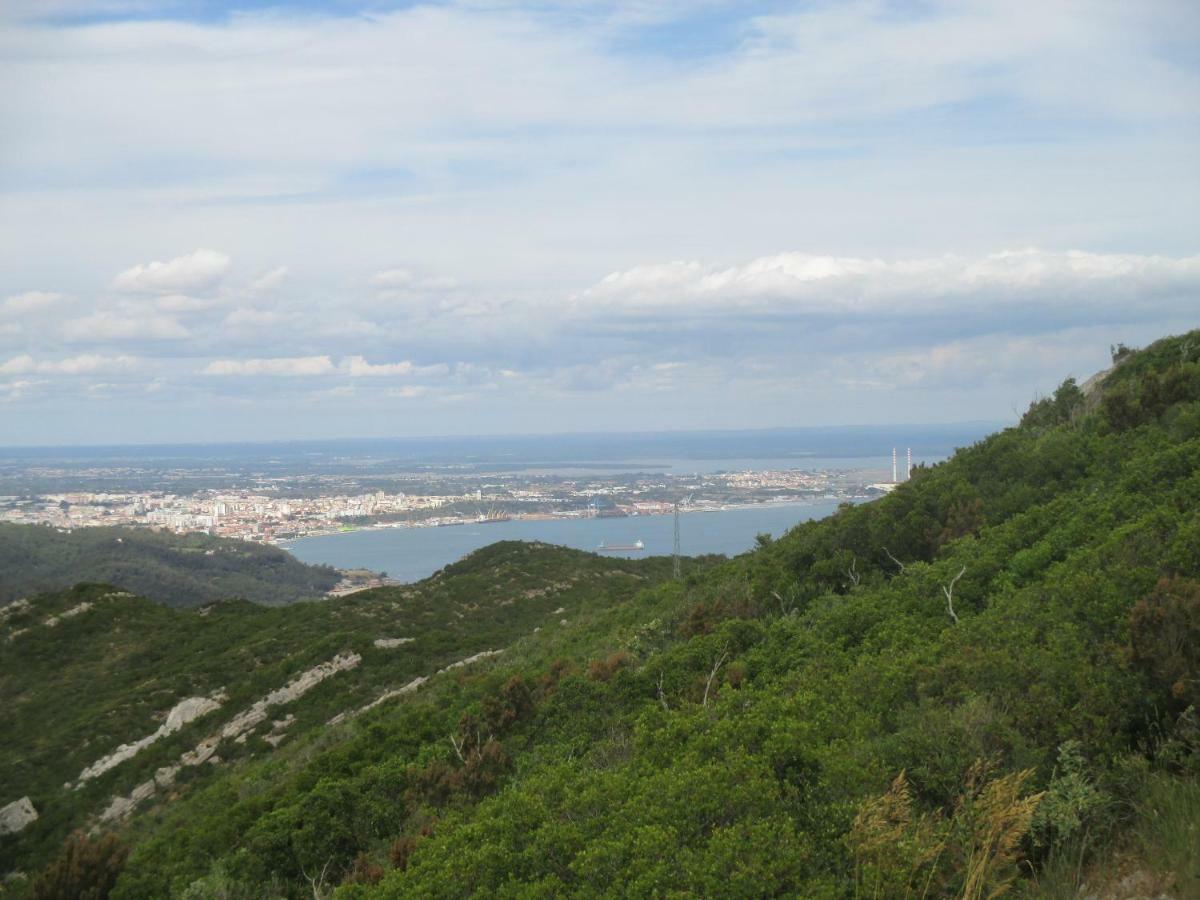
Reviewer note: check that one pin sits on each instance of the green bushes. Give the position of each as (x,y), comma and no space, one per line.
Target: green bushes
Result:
(736,733)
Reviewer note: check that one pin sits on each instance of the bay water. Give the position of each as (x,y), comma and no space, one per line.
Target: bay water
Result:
(410,554)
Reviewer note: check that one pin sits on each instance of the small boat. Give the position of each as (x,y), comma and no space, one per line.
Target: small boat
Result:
(620,548)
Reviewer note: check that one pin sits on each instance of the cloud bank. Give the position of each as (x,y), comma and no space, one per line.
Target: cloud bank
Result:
(553,215)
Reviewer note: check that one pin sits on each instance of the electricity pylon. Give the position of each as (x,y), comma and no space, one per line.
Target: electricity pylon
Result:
(675,559)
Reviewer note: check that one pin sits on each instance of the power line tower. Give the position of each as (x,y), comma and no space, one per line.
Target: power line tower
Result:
(675,558)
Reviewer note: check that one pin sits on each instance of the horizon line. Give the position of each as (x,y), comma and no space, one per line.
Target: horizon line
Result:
(990,423)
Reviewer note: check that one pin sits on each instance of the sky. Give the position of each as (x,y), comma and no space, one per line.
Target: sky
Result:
(270,221)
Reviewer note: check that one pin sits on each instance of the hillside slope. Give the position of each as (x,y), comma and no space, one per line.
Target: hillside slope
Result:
(103,693)
(982,683)
(179,570)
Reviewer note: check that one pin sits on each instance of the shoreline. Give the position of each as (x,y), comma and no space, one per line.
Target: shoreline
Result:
(286,543)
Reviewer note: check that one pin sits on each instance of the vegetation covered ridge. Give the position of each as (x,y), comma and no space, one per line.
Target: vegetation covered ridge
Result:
(984,683)
(176,569)
(116,707)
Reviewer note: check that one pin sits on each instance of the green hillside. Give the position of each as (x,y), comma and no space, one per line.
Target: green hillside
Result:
(982,684)
(179,570)
(85,671)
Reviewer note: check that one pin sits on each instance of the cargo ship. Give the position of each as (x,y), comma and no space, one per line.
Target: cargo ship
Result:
(492,515)
(620,548)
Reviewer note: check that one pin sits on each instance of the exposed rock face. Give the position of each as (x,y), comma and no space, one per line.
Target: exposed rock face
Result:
(16,816)
(470,659)
(409,688)
(389,643)
(279,730)
(294,689)
(181,714)
(237,727)
(398,692)
(13,608)
(73,611)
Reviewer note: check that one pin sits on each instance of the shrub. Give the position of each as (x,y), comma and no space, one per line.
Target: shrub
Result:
(86,869)
(1164,631)
(605,669)
(364,871)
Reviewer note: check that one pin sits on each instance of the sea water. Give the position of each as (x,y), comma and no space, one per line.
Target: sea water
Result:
(412,553)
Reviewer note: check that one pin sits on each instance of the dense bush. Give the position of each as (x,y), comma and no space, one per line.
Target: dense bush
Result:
(85,869)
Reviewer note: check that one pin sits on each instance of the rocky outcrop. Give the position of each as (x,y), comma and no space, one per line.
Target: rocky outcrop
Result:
(409,688)
(237,727)
(16,815)
(389,643)
(11,609)
(470,659)
(70,613)
(181,714)
(279,730)
(293,690)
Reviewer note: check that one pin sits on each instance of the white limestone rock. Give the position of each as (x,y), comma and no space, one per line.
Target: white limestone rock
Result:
(10,609)
(389,643)
(183,712)
(70,613)
(279,730)
(293,690)
(470,659)
(236,729)
(16,815)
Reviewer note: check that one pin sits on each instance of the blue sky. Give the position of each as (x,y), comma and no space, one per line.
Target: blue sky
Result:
(226,221)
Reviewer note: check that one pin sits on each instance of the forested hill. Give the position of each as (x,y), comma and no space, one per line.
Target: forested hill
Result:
(179,570)
(982,684)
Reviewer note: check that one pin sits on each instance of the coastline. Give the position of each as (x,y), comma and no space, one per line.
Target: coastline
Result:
(287,543)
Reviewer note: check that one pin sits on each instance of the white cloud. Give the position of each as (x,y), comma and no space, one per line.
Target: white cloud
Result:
(86,363)
(196,271)
(439,283)
(31,301)
(358,367)
(112,325)
(350,366)
(182,303)
(283,366)
(18,365)
(253,320)
(971,363)
(392,281)
(408,392)
(270,279)
(11,391)
(803,284)
(393,278)
(531,147)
